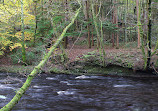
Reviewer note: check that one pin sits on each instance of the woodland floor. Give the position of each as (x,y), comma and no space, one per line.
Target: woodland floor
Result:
(78,51)
(72,52)
(133,55)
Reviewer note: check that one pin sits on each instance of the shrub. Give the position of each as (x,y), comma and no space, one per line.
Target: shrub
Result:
(32,57)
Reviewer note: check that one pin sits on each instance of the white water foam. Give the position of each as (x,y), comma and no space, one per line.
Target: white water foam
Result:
(36,86)
(87,77)
(82,77)
(51,78)
(122,86)
(2,97)
(66,92)
(40,87)
(5,87)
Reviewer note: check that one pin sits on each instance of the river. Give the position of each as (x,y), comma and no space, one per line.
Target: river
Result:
(60,92)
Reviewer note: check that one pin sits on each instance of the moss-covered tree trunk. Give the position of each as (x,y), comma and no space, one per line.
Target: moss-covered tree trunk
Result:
(149,34)
(156,48)
(95,24)
(30,77)
(100,44)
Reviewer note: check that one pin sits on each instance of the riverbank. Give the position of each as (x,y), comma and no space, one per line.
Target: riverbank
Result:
(121,62)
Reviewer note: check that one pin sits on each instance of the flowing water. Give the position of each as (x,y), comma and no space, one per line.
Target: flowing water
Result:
(59,92)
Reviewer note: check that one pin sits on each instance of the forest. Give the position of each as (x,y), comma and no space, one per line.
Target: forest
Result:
(85,37)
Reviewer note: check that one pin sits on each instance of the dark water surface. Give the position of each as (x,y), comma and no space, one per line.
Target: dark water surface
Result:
(60,92)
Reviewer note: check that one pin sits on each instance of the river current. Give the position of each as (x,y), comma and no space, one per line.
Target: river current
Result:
(60,92)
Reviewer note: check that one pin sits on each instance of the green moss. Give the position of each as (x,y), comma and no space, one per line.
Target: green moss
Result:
(55,70)
(119,60)
(110,70)
(17,69)
(129,65)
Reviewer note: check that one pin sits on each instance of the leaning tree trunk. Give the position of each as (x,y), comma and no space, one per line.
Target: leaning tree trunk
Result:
(30,77)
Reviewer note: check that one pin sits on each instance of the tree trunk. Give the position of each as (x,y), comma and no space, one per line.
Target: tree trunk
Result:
(42,19)
(66,19)
(138,20)
(113,39)
(95,23)
(125,20)
(34,41)
(116,22)
(30,77)
(149,34)
(88,26)
(23,37)
(102,44)
(156,48)
(92,36)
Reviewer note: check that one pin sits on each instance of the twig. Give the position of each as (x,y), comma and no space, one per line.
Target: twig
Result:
(154,69)
(76,40)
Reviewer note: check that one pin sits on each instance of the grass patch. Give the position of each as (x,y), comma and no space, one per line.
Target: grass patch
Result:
(17,69)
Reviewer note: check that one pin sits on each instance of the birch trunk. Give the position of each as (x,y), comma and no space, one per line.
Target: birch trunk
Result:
(23,37)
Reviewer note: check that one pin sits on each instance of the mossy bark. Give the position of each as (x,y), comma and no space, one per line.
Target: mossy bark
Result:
(149,35)
(156,48)
(30,77)
(95,23)
(100,43)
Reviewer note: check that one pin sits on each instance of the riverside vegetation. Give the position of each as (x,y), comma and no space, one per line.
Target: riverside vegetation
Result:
(100,24)
(80,37)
